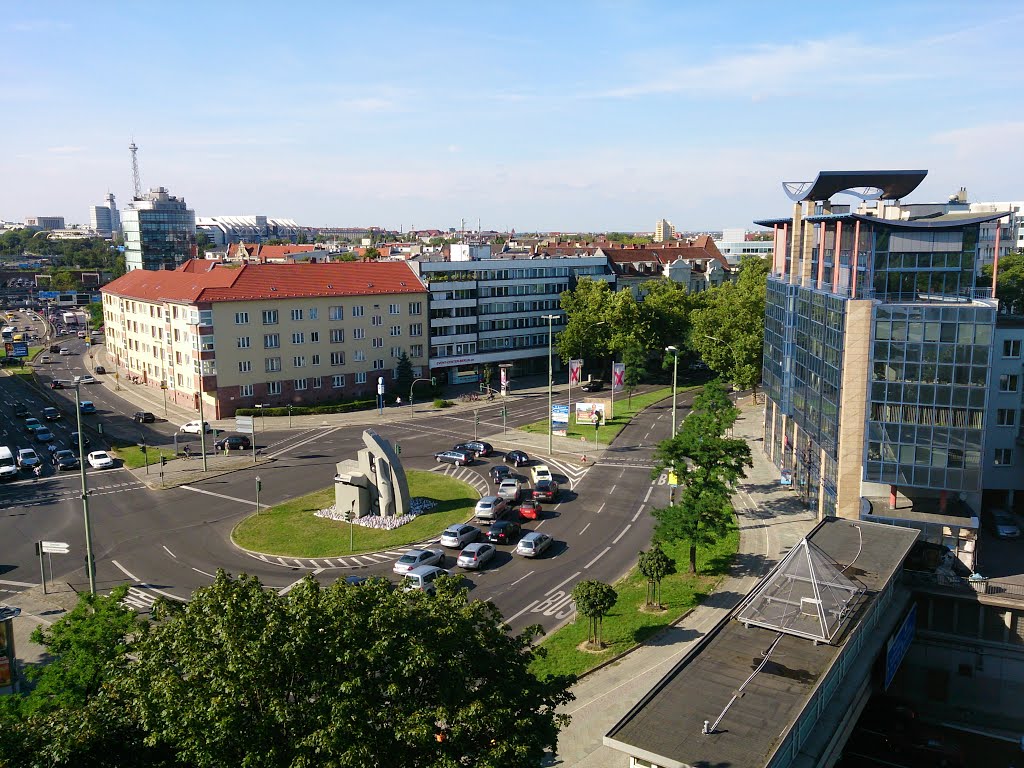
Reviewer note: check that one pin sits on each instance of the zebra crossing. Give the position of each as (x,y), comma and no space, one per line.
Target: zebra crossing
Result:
(319,564)
(49,497)
(140,600)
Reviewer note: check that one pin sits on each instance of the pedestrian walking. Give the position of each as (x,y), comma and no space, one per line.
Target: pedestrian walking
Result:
(398,402)
(188,452)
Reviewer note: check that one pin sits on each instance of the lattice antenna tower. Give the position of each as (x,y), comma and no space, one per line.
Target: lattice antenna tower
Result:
(136,180)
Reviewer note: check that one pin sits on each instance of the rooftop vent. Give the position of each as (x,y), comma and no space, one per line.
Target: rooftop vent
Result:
(273,288)
(330,286)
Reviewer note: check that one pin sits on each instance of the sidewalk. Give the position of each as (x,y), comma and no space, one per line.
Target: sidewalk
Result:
(771,520)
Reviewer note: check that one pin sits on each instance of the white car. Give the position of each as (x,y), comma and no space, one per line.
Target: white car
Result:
(65,351)
(87,379)
(195,427)
(100,460)
(28,459)
(414,558)
(540,472)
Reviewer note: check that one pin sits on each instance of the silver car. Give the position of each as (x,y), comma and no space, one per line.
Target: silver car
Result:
(491,508)
(475,556)
(533,544)
(459,536)
(510,490)
(414,558)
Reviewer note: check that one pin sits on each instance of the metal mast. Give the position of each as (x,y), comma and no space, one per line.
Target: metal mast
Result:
(135,170)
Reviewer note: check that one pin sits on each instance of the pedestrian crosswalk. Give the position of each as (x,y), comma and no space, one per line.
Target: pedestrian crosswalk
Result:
(139,599)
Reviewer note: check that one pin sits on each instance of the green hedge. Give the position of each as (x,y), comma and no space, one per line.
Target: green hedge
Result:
(300,410)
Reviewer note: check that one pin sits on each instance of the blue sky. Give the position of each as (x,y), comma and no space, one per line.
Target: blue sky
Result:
(553,116)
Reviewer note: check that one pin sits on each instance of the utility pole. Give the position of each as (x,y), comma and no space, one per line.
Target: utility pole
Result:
(551,378)
(90,564)
(202,424)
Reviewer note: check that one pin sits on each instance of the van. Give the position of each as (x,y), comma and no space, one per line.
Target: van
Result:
(422,579)
(8,468)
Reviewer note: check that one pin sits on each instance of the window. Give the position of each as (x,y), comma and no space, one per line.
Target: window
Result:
(416,350)
(378,342)
(358,333)
(318,382)
(245,390)
(315,360)
(313,313)
(337,335)
(415,308)
(1011,348)
(298,338)
(273,364)
(1004,457)
(1006,417)
(204,343)
(336,313)
(415,329)
(296,314)
(241,318)
(378,365)
(271,341)
(394,309)
(361,377)
(357,311)
(376,320)
(270,317)
(1009,382)
(244,366)
(396,351)
(338,381)
(273,387)
(299,361)
(396,330)
(301,384)
(243,342)
(337,358)
(359,356)
(314,337)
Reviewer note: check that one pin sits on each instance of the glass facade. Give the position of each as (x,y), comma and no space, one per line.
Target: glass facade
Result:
(915,264)
(159,232)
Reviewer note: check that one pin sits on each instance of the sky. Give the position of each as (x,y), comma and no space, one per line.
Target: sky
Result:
(533,116)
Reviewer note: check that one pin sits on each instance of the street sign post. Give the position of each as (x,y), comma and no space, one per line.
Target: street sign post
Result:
(49,548)
(246,426)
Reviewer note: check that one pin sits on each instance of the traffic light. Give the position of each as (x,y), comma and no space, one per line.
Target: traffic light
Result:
(163,461)
(398,448)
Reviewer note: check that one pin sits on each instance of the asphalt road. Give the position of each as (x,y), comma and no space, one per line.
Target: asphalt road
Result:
(171,542)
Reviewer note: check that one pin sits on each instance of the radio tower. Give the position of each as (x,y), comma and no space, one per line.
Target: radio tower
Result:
(135,170)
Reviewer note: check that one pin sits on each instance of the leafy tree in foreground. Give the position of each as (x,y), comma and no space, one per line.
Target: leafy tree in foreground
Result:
(655,565)
(594,599)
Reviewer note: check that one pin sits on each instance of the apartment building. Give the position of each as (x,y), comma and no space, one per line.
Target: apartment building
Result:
(269,334)
(878,357)
(1003,474)
(159,231)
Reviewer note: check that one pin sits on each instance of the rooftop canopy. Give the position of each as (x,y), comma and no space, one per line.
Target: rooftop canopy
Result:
(867,185)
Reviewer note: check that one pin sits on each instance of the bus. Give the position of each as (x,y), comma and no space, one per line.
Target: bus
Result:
(7,334)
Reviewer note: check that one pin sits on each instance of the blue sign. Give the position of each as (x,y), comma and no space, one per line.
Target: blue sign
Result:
(560,413)
(19,349)
(899,644)
(49,294)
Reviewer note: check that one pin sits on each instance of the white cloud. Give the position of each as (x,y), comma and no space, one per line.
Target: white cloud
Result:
(65,150)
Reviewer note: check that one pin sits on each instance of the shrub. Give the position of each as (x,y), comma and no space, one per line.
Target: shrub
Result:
(299,410)
(440,402)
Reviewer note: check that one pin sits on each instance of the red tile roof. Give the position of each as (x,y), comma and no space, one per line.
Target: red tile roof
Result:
(196,282)
(664,254)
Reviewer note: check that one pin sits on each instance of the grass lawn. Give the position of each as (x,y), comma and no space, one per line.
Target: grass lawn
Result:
(290,529)
(624,413)
(132,456)
(627,625)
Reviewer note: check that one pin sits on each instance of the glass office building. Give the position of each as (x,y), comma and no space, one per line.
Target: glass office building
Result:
(159,231)
(877,354)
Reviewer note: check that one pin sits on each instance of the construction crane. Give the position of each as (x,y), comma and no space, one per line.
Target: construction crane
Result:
(135,170)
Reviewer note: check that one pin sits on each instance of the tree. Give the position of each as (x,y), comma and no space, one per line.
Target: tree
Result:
(302,238)
(371,254)
(701,517)
(1010,287)
(404,379)
(203,244)
(588,326)
(594,599)
(635,359)
(655,565)
(63,280)
(488,375)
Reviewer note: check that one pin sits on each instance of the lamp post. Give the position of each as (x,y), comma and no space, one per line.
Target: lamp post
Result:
(551,378)
(202,423)
(259,485)
(674,351)
(90,564)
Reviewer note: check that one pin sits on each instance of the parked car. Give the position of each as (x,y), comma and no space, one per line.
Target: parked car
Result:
(530,509)
(85,439)
(100,460)
(143,417)
(504,532)
(1002,524)
(458,458)
(87,406)
(533,544)
(21,411)
(517,458)
(475,447)
(414,558)
(475,556)
(594,385)
(31,425)
(546,490)
(28,459)
(491,508)
(459,535)
(100,369)
(510,490)
(43,435)
(65,459)
(499,472)
(422,579)
(234,443)
(195,427)
(540,472)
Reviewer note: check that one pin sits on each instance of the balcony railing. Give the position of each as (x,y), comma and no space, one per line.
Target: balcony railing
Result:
(965,584)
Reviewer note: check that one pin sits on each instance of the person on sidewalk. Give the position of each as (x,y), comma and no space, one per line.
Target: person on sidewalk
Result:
(398,402)
(188,453)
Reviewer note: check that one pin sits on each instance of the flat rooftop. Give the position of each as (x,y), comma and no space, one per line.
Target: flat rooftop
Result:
(665,726)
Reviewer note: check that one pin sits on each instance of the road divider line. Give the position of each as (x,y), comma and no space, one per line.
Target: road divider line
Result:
(301,443)
(616,539)
(612,490)
(250,502)
(603,553)
(600,508)
(515,616)
(289,588)
(521,578)
(584,528)
(319,571)
(649,492)
(316,565)
(26,584)
(638,513)
(203,572)
(561,584)
(144,585)
(169,552)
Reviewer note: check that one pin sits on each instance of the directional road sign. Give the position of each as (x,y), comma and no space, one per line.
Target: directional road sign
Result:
(244,424)
(54,547)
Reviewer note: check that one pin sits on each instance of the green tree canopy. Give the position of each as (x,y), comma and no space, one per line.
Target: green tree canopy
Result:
(701,517)
(654,564)
(594,599)
(371,253)
(1010,287)
(404,380)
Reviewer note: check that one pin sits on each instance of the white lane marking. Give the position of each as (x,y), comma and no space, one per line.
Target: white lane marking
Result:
(600,508)
(649,491)
(316,565)
(282,562)
(329,563)
(298,562)
(302,443)
(612,491)
(319,570)
(521,578)
(125,571)
(584,528)
(22,583)
(603,552)
(169,552)
(616,539)
(289,588)
(250,502)
(356,560)
(515,616)
(203,572)
(638,513)
(561,584)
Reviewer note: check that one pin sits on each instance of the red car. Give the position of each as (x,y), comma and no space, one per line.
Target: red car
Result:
(530,510)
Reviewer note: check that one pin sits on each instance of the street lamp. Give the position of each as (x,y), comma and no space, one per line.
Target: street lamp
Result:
(674,351)
(259,485)
(551,378)
(90,564)
(202,422)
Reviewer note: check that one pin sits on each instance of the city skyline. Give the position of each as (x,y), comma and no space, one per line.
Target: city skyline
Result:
(577,117)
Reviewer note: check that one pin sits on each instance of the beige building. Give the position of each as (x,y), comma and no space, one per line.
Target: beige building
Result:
(272,334)
(664,232)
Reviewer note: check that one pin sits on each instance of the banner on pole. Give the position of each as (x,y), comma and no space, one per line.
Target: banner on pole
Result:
(575,369)
(585,413)
(559,419)
(618,377)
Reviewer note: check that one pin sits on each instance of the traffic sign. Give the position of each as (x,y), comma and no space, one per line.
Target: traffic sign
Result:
(55,547)
(244,424)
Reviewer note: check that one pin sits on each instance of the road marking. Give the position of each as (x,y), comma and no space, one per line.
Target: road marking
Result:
(27,584)
(204,573)
(127,573)
(606,549)
(521,578)
(638,513)
(318,571)
(301,443)
(563,583)
(584,528)
(612,491)
(316,565)
(170,553)
(649,491)
(289,588)
(357,561)
(512,618)
(616,539)
(600,508)
(220,495)
(282,562)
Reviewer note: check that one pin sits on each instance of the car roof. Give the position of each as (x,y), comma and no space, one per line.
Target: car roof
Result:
(424,570)
(477,545)
(488,499)
(534,535)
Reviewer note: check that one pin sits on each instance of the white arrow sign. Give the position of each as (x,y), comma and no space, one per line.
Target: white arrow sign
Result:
(54,547)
